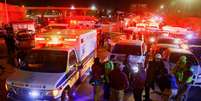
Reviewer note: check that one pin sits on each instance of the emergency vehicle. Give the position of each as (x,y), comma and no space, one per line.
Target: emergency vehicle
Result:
(23,25)
(86,22)
(50,72)
(135,49)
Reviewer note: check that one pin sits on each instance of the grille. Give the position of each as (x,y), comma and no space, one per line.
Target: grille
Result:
(21,91)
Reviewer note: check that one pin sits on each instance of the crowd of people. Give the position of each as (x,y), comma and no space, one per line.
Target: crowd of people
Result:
(116,79)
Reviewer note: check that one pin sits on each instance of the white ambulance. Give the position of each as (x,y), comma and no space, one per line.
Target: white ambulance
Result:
(50,71)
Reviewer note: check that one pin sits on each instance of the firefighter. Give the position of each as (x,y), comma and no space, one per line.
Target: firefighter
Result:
(153,72)
(183,74)
(109,66)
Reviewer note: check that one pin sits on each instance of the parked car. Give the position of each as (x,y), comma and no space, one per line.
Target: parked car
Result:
(195,46)
(135,49)
(172,55)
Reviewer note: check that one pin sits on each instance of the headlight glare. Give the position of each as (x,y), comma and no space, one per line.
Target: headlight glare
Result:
(135,69)
(7,87)
(52,93)
(55,92)
(34,93)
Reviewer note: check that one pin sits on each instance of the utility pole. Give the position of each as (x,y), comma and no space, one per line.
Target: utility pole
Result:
(6,11)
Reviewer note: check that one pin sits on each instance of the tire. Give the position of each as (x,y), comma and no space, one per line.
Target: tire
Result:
(66,94)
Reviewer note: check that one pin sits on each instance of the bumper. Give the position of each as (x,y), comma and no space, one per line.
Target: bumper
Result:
(13,97)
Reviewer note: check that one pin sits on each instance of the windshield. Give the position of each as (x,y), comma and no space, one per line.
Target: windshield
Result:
(196,50)
(174,57)
(127,49)
(46,61)
(195,42)
(166,41)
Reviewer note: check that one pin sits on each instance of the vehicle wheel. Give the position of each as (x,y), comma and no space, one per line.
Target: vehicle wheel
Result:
(65,94)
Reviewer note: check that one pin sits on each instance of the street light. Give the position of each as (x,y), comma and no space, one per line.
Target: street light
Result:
(93,7)
(7,20)
(72,7)
(162,6)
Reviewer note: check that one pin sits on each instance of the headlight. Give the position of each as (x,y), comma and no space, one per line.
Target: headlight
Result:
(54,93)
(199,76)
(189,36)
(34,93)
(7,87)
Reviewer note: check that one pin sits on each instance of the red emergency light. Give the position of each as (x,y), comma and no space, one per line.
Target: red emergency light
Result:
(52,40)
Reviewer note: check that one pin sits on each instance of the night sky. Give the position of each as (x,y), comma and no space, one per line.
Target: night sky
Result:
(118,4)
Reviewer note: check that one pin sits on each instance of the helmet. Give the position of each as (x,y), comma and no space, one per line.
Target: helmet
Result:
(158,56)
(183,59)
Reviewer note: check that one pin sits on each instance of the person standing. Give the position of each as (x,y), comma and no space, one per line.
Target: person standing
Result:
(136,76)
(118,83)
(109,66)
(151,74)
(101,39)
(137,81)
(183,74)
(97,78)
(10,43)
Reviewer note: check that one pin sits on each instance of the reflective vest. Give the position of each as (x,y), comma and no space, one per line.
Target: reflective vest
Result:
(109,66)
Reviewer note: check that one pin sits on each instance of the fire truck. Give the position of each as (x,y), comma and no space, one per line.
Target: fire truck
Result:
(59,60)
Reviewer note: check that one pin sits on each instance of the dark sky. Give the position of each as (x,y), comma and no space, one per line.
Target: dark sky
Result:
(101,3)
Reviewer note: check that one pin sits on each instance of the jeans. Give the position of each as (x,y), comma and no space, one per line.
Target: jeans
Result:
(147,90)
(97,91)
(137,94)
(106,88)
(116,95)
(181,91)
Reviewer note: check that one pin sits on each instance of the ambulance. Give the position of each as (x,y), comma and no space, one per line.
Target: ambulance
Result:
(23,25)
(50,71)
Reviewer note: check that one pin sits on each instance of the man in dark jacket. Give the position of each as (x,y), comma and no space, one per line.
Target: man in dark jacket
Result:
(118,83)
(154,70)
(137,81)
(97,77)
(10,43)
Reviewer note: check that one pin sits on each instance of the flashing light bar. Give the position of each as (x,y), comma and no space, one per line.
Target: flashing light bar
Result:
(70,40)
(177,41)
(39,39)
